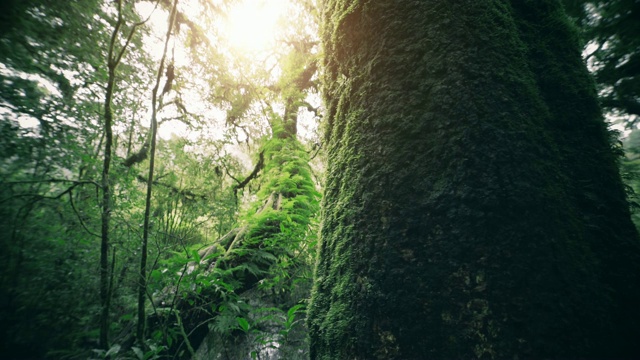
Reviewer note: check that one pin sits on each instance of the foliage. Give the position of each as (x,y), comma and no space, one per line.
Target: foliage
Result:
(630,170)
(271,248)
(53,77)
(610,30)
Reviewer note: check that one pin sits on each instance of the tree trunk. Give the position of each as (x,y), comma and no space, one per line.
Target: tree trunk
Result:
(473,207)
(142,281)
(277,224)
(113,60)
(105,298)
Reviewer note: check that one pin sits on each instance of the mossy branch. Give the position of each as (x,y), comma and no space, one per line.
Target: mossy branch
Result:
(137,157)
(253,175)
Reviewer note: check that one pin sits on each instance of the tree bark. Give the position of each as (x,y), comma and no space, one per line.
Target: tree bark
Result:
(114,56)
(473,207)
(105,298)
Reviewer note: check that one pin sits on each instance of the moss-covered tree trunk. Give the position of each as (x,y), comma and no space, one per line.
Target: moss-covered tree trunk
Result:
(274,229)
(473,208)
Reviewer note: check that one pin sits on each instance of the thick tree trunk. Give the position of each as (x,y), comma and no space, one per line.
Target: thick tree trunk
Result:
(462,219)
(596,188)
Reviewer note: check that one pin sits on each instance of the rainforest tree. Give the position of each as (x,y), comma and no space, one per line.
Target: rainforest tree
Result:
(473,207)
(272,238)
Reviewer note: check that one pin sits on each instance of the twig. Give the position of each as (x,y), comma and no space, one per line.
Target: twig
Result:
(80,218)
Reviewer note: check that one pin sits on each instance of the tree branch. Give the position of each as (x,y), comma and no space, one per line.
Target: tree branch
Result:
(80,217)
(75,182)
(183,192)
(137,157)
(40,196)
(251,176)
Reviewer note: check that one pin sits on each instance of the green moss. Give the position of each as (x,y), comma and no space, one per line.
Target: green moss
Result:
(287,183)
(451,225)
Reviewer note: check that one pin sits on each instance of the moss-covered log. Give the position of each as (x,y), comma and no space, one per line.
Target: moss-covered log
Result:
(473,207)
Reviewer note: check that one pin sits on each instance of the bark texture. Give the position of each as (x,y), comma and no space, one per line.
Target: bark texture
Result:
(473,207)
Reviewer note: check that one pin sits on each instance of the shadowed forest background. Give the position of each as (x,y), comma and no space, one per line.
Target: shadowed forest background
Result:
(162,165)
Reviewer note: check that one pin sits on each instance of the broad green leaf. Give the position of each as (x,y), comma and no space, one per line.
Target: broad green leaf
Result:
(138,353)
(113,350)
(244,324)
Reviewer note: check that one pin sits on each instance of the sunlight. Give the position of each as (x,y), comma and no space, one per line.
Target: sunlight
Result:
(248,28)
(252,25)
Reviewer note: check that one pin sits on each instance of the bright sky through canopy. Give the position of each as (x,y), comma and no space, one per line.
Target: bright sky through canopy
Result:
(252,25)
(248,28)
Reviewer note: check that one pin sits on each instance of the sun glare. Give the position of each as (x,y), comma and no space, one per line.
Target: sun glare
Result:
(249,27)
(252,25)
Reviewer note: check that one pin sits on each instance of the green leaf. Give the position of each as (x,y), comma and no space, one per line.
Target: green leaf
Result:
(293,310)
(291,315)
(138,353)
(156,275)
(244,324)
(113,350)
(149,354)
(196,255)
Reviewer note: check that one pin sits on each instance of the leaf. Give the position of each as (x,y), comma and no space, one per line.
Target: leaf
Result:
(196,255)
(113,350)
(292,311)
(233,307)
(138,353)
(291,315)
(156,275)
(244,324)
(149,354)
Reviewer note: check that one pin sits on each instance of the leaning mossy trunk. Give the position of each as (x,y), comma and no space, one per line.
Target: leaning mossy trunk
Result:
(261,253)
(472,207)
